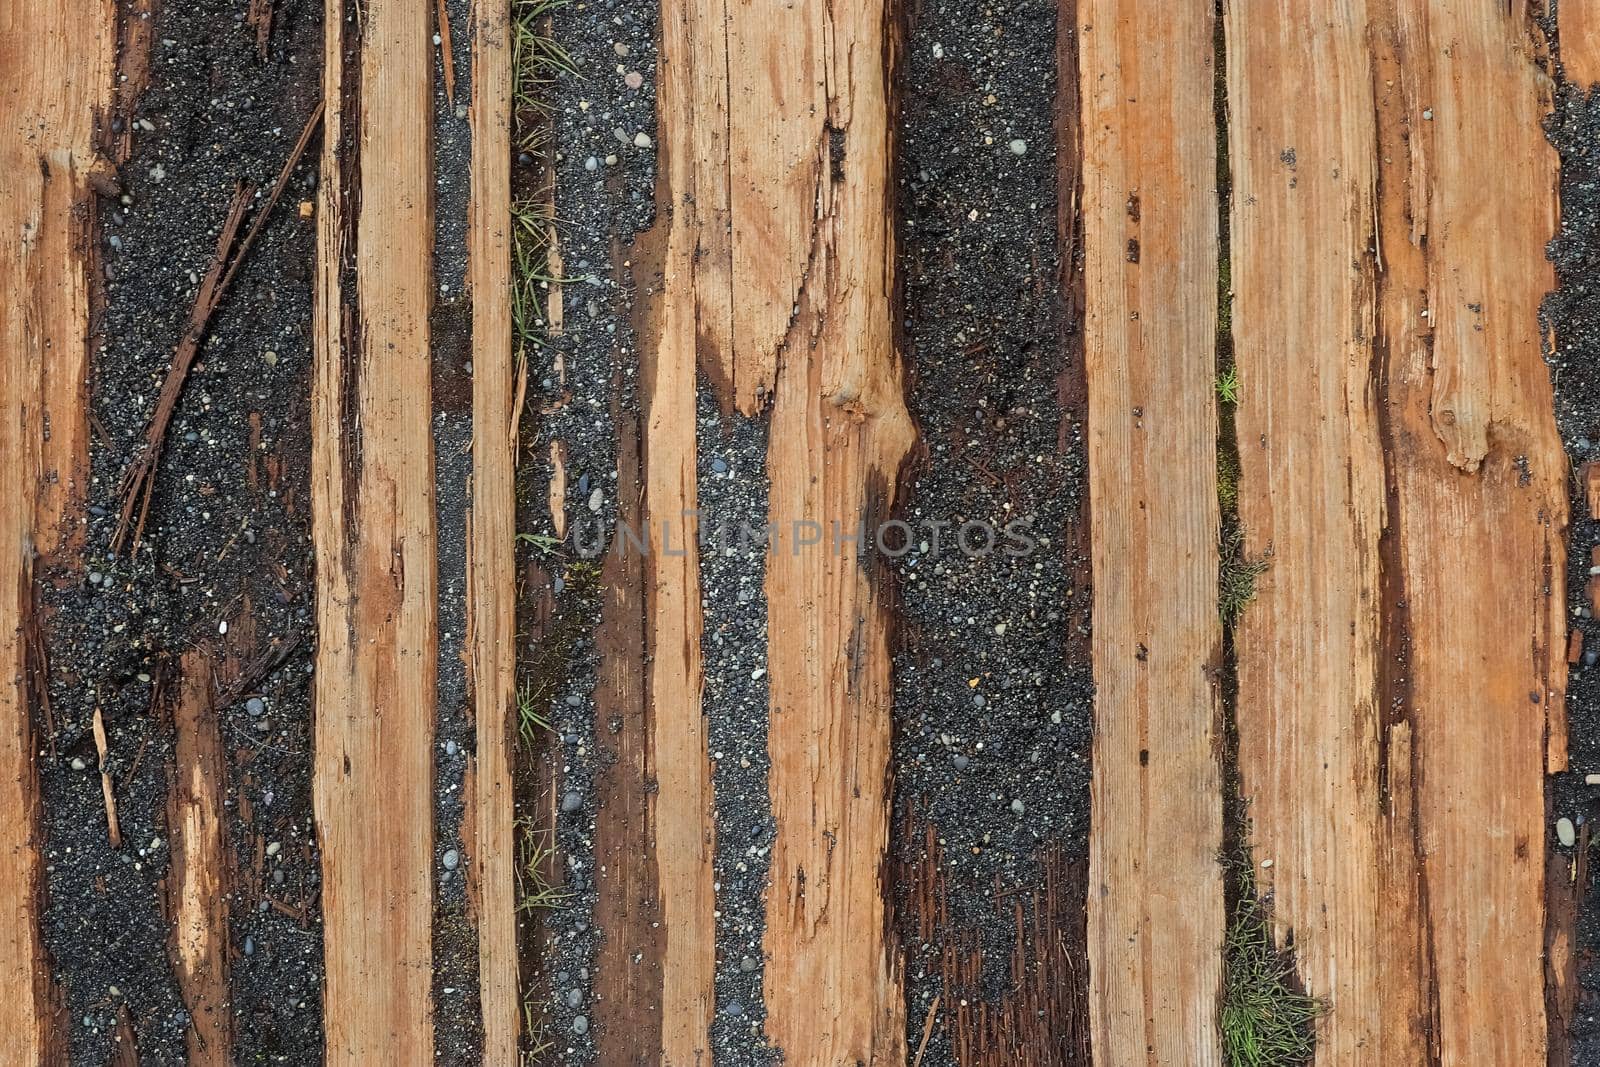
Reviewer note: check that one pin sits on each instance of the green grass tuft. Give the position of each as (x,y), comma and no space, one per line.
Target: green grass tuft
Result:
(1266,1021)
(536,851)
(530,720)
(1228,386)
(1236,578)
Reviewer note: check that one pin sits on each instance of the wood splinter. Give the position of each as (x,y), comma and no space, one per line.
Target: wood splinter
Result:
(113,827)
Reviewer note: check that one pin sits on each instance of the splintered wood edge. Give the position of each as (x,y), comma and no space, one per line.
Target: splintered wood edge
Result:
(491,580)
(57,71)
(1150,281)
(198,884)
(373,533)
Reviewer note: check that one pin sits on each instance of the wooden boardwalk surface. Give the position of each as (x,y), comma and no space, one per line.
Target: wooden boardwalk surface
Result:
(1344,212)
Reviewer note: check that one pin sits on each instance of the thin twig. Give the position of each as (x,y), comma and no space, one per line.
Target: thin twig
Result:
(138,481)
(927,1030)
(113,827)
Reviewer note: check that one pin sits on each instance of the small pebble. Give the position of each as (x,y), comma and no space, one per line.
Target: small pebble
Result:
(1591,779)
(274,848)
(580,1025)
(78,764)
(597,500)
(735,1009)
(1566,833)
(748,964)
(591,164)
(256,706)
(719,465)
(452,860)
(633,79)
(572,802)
(641,140)
(961,761)
(1017,807)
(249,946)
(574,998)
(451,748)
(1019,147)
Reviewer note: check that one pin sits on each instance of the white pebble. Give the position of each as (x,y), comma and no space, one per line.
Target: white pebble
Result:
(1566,833)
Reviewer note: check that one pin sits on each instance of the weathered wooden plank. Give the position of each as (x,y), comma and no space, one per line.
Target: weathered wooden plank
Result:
(198,884)
(775,123)
(1480,484)
(1580,41)
(491,569)
(1312,494)
(1149,214)
(1377,688)
(839,433)
(373,527)
(56,78)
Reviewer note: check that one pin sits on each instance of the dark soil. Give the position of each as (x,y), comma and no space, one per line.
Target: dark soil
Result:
(1574,313)
(225,562)
(993,688)
(581,387)
(457,1021)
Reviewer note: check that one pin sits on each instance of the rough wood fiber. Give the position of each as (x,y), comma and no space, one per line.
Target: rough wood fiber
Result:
(1150,263)
(777,279)
(839,434)
(1312,494)
(198,884)
(1402,472)
(1580,41)
(1479,479)
(373,529)
(491,571)
(56,77)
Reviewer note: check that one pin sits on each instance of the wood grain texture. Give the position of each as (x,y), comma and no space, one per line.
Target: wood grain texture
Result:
(373,532)
(1580,41)
(57,60)
(1312,494)
(777,278)
(1480,480)
(198,882)
(813,267)
(1150,266)
(1402,474)
(491,568)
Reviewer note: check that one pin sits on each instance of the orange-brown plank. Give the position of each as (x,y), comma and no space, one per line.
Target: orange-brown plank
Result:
(56,79)
(373,532)
(814,255)
(1480,483)
(1580,41)
(1402,471)
(1150,267)
(1312,494)
(491,577)
(198,886)
(777,266)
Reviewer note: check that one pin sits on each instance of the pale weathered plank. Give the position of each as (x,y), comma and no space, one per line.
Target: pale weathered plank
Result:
(1400,677)
(1480,481)
(1149,209)
(373,530)
(491,570)
(1580,41)
(813,262)
(1311,497)
(56,77)
(776,270)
